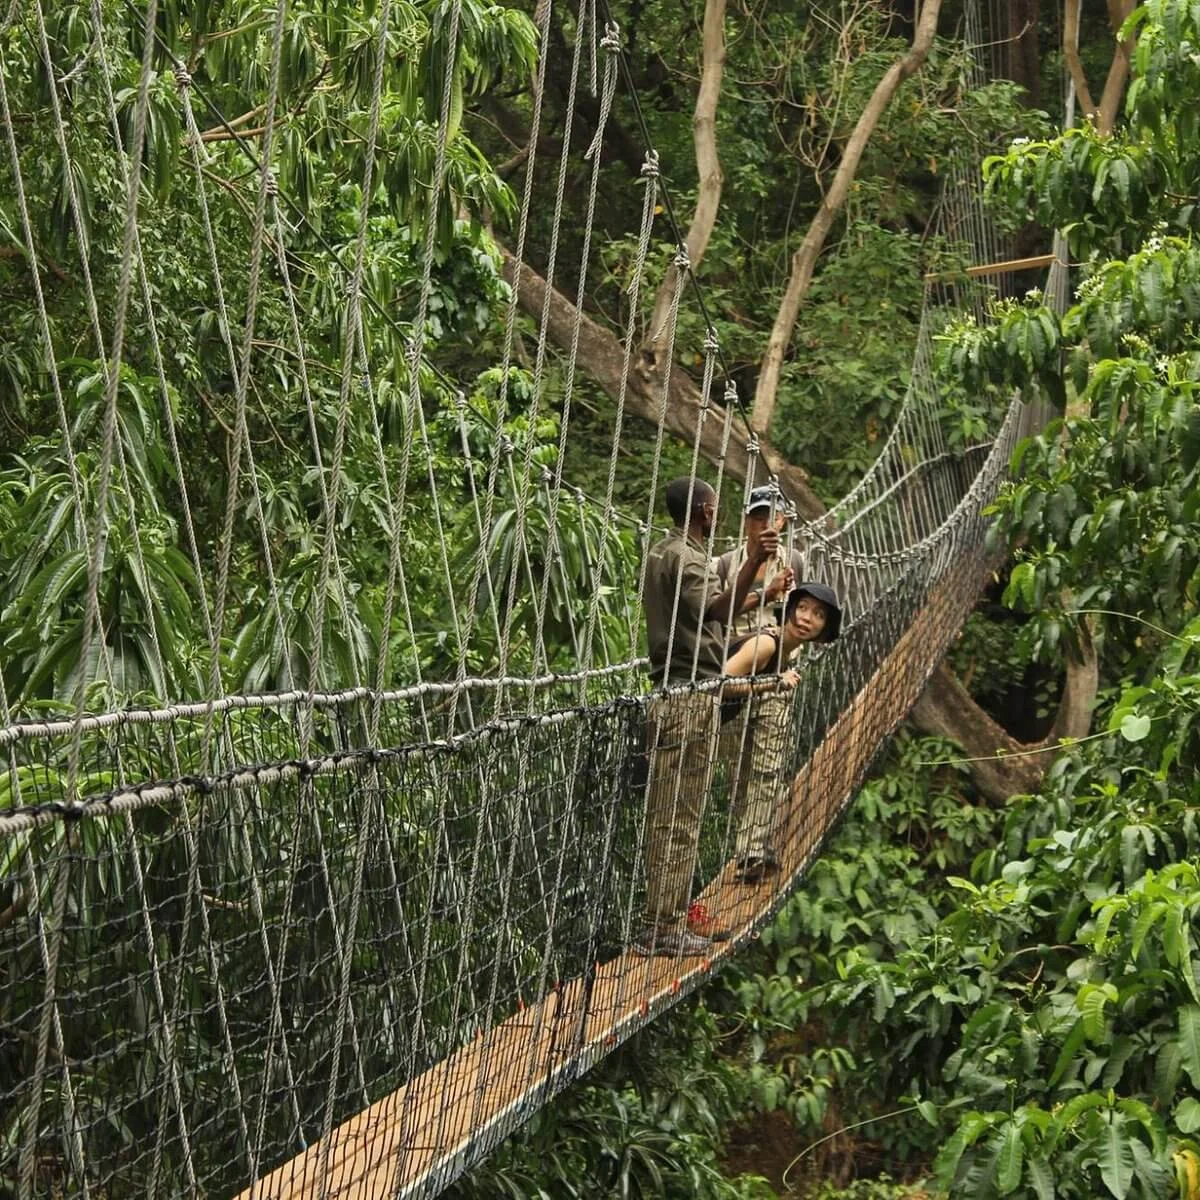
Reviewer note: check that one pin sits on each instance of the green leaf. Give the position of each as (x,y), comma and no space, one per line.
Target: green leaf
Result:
(1189,1042)
(1167,1066)
(1009,1159)
(1041,1177)
(1115,1155)
(1187,1115)
(1070,1047)
(1135,727)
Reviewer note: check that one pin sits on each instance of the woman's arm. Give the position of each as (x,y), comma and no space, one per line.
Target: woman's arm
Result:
(754,654)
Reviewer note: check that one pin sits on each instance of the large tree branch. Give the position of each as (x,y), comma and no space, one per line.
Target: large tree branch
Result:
(1118,69)
(1071,54)
(1103,114)
(1000,766)
(804,261)
(708,167)
(602,356)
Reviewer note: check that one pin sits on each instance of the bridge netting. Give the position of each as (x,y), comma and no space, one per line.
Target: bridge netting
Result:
(341,936)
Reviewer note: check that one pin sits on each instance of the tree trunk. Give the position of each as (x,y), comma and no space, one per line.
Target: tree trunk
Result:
(708,170)
(1001,766)
(1118,71)
(804,261)
(1105,113)
(1023,61)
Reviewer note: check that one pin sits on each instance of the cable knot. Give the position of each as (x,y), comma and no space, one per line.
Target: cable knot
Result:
(460,401)
(683,260)
(731,393)
(580,498)
(712,344)
(505,445)
(752,447)
(611,41)
(271,184)
(547,475)
(183,78)
(650,166)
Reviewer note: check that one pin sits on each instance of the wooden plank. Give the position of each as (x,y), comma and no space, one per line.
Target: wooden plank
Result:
(1008,267)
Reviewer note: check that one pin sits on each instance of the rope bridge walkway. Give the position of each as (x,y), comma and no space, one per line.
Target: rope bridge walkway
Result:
(338,939)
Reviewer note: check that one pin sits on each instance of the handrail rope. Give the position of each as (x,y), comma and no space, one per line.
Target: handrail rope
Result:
(92,615)
(170,1016)
(75,1141)
(539,369)
(519,542)
(610,42)
(676,229)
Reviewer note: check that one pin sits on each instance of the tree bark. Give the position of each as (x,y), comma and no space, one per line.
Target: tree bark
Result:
(602,356)
(1071,54)
(804,261)
(1105,113)
(708,170)
(1023,59)
(1118,70)
(1001,766)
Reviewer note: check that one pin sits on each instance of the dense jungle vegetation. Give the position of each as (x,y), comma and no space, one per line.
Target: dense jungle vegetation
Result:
(989,985)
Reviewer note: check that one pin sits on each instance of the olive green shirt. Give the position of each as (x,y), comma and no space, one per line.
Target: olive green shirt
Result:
(679,564)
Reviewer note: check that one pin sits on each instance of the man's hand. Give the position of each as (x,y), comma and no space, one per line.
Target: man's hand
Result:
(763,546)
(780,586)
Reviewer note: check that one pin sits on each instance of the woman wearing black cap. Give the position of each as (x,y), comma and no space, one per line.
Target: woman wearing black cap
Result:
(812,614)
(757,739)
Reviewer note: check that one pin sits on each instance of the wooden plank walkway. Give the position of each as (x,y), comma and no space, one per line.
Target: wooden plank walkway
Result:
(414,1141)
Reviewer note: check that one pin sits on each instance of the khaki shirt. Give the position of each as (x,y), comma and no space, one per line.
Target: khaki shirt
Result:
(679,562)
(757,619)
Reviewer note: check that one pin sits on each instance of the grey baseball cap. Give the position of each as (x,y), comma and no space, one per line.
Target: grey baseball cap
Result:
(767,495)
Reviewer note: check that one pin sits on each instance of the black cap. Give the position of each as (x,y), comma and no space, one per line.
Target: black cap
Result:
(828,597)
(767,495)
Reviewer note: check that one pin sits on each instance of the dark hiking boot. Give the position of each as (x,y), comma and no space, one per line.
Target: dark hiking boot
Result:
(754,868)
(669,942)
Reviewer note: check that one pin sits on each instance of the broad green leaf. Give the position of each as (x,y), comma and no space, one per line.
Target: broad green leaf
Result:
(1009,1159)
(1071,1047)
(1115,1154)
(1187,1115)
(1167,1067)
(1041,1178)
(1135,727)
(1189,1042)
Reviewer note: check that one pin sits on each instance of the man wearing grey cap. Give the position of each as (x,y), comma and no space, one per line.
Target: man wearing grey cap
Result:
(766,508)
(754,742)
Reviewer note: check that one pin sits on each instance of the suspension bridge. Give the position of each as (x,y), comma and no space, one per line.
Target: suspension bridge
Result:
(340,940)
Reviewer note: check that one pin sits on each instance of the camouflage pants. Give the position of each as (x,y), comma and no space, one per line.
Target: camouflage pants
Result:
(682,736)
(754,744)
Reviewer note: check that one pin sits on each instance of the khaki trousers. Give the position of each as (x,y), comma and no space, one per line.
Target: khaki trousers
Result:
(754,744)
(681,739)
